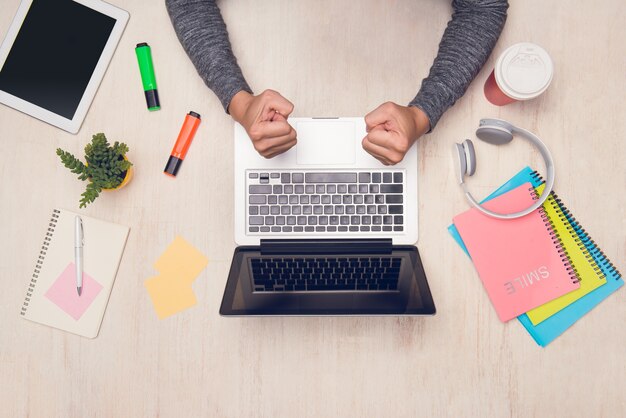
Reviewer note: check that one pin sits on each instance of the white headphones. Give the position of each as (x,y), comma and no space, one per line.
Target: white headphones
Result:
(498,132)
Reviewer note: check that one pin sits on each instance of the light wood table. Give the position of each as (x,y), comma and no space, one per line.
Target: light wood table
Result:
(329,58)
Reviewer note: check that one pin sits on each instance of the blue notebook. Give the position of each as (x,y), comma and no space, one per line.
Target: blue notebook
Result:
(548,330)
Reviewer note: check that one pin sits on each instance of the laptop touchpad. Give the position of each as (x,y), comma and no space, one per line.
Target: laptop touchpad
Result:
(325,142)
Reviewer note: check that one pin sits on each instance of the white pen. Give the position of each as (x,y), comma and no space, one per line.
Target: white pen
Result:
(78,253)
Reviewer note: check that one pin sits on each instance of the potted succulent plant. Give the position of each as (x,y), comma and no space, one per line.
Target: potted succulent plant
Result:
(106,167)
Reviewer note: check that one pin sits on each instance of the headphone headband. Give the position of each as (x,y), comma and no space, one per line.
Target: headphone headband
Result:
(497,131)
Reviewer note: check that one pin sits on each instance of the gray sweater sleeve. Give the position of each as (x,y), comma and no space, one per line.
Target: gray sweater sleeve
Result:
(202,32)
(467,42)
(464,48)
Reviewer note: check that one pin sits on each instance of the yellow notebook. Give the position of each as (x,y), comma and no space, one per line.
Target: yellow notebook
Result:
(590,275)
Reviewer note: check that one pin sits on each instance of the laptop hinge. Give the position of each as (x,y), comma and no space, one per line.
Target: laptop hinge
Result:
(326,246)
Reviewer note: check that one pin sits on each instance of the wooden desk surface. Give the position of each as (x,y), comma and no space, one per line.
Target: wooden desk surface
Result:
(329,58)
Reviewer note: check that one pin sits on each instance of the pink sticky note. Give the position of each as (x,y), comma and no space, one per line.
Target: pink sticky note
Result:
(63,292)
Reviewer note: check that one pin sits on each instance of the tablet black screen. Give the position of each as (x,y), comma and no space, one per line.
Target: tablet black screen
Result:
(55,54)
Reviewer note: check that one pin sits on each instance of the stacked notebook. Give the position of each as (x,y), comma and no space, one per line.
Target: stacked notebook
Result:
(542,268)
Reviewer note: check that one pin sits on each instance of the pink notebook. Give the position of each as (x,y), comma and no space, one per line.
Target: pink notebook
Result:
(520,262)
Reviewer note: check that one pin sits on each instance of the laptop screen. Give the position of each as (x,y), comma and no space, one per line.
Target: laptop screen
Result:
(327,284)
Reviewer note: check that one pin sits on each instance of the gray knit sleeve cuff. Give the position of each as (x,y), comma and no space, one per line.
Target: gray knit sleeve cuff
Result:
(226,96)
(428,104)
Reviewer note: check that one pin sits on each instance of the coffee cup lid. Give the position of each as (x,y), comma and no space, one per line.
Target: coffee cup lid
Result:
(524,71)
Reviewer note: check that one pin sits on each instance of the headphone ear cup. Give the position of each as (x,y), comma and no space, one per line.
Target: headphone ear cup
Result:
(462,162)
(470,157)
(495,131)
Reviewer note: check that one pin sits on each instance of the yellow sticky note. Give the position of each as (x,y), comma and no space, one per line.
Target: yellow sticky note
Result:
(169,295)
(182,260)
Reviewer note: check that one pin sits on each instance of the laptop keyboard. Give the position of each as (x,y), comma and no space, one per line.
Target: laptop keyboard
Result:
(325,202)
(325,274)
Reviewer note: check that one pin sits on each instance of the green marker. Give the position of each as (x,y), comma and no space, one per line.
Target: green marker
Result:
(144,58)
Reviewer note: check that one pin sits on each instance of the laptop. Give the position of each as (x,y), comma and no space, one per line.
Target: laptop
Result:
(325,228)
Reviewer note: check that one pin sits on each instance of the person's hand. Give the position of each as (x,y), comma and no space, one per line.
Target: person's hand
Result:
(392,129)
(264,117)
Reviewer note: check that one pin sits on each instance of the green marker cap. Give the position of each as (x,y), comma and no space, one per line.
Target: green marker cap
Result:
(146,68)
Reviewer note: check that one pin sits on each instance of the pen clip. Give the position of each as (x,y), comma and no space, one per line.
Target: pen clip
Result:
(79,231)
(82,234)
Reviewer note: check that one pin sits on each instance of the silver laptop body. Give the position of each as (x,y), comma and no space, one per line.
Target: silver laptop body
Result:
(326,187)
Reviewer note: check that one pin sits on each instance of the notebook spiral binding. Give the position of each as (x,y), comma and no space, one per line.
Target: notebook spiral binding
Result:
(40,258)
(556,240)
(587,246)
(584,238)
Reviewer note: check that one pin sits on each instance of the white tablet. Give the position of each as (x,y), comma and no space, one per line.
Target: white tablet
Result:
(55,55)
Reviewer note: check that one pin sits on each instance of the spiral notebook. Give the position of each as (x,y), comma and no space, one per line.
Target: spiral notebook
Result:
(551,328)
(590,274)
(51,298)
(516,284)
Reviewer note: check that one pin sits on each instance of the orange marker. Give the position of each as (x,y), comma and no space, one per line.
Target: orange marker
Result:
(187,132)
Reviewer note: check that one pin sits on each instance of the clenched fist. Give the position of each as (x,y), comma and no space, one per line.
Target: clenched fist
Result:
(391,131)
(264,117)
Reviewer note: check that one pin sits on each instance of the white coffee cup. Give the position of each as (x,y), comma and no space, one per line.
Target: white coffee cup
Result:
(522,72)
